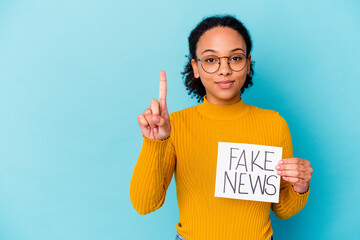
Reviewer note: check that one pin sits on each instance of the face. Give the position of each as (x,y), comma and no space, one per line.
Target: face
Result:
(223,86)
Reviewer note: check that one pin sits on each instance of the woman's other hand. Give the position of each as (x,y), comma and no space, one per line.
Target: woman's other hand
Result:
(154,122)
(297,171)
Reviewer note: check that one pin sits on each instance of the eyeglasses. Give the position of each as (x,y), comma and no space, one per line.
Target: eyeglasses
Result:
(211,63)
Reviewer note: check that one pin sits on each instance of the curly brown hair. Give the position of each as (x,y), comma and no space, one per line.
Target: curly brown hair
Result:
(193,85)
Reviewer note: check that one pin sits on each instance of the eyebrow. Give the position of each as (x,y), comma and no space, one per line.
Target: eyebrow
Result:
(212,50)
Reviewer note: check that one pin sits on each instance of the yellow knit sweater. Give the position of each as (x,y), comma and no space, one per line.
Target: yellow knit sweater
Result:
(191,152)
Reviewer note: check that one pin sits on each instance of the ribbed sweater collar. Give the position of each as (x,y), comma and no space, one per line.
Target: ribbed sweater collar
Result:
(223,112)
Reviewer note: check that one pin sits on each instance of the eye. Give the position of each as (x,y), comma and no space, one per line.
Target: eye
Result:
(237,58)
(210,59)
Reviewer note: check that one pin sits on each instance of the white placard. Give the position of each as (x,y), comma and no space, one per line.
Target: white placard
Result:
(247,171)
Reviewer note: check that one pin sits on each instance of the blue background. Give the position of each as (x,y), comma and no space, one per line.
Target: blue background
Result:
(74,75)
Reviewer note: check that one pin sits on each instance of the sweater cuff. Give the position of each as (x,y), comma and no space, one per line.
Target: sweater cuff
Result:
(151,146)
(304,194)
(155,140)
(151,141)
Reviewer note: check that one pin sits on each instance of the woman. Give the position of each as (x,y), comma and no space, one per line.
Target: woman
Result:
(218,71)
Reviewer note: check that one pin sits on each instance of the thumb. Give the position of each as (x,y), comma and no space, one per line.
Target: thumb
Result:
(160,121)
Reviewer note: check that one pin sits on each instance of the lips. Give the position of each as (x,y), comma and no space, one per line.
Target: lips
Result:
(225,84)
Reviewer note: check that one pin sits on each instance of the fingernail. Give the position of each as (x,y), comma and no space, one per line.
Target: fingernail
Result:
(156,119)
(155,130)
(148,127)
(281,162)
(277,167)
(278,172)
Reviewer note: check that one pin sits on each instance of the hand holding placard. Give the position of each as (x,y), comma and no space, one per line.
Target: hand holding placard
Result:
(297,171)
(154,122)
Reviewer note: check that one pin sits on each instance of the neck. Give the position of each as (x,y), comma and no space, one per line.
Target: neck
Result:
(223,112)
(217,101)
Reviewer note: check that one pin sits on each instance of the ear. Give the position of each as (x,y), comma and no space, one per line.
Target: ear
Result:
(195,68)
(248,64)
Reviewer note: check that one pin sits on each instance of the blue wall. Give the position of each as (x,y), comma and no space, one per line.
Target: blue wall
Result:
(74,75)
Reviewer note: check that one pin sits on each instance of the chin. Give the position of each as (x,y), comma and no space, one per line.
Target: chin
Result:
(229,96)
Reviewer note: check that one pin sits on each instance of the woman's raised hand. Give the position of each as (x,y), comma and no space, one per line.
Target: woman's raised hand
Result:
(154,122)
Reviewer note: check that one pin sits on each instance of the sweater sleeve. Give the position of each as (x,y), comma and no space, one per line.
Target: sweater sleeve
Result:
(152,175)
(290,201)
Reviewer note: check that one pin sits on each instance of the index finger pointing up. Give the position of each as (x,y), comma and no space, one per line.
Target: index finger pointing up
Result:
(162,90)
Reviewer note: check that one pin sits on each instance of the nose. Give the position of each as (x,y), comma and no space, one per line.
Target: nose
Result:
(224,68)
